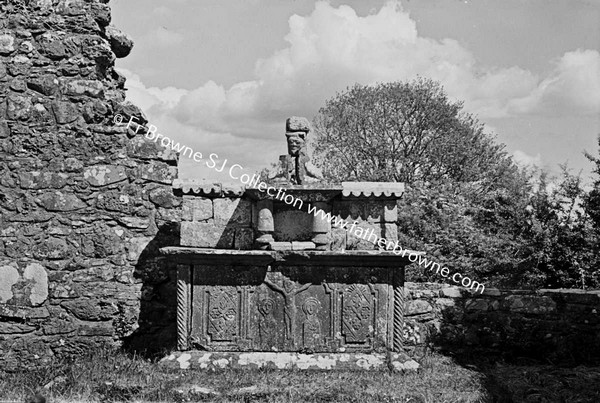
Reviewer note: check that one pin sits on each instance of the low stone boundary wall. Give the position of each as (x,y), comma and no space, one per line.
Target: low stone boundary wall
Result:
(554,325)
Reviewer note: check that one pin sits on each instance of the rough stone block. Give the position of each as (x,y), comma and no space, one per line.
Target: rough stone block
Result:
(46,85)
(477,305)
(338,239)
(102,175)
(19,107)
(530,304)
(164,197)
(280,245)
(58,201)
(451,292)
(141,147)
(297,124)
(64,112)
(91,309)
(196,208)
(158,172)
(232,212)
(51,248)
(90,88)
(4,129)
(26,287)
(206,235)
(120,43)
(134,222)
(42,180)
(303,245)
(417,307)
(7,44)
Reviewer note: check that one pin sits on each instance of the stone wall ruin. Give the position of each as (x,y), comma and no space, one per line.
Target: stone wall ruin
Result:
(83,203)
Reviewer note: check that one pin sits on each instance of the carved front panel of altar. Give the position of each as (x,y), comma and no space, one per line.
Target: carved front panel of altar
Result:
(289,308)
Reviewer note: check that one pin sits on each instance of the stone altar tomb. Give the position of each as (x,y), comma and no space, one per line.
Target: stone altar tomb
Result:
(265,282)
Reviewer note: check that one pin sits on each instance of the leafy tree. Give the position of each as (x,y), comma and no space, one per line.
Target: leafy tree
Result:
(404,132)
(592,200)
(468,204)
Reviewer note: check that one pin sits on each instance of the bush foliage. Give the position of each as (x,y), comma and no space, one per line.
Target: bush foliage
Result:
(468,204)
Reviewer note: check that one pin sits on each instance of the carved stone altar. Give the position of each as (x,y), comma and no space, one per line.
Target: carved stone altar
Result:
(266,281)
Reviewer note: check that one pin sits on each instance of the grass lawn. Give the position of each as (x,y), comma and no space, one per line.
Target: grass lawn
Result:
(110,377)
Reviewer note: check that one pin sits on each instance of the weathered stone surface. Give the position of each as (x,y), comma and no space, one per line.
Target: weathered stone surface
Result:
(64,112)
(84,87)
(157,172)
(51,248)
(42,180)
(164,197)
(19,107)
(338,239)
(20,65)
(135,222)
(451,292)
(46,85)
(36,275)
(297,124)
(280,245)
(140,147)
(417,307)
(292,225)
(477,305)
(530,304)
(15,328)
(196,208)
(4,129)
(9,276)
(26,288)
(72,194)
(102,175)
(303,245)
(206,235)
(59,201)
(232,212)
(52,46)
(90,309)
(7,44)
(282,360)
(120,42)
(244,238)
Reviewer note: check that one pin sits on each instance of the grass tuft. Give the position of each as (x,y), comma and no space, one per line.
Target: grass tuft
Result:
(109,376)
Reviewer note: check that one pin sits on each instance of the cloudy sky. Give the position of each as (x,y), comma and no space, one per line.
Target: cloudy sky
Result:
(221,76)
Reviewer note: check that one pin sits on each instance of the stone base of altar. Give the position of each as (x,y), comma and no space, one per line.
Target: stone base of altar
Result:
(286,360)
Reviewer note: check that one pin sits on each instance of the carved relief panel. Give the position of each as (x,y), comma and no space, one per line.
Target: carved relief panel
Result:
(310,309)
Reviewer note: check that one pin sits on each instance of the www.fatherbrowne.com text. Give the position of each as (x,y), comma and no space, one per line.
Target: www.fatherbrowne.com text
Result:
(236,172)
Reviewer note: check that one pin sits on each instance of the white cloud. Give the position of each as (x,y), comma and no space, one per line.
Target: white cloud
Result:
(572,88)
(333,48)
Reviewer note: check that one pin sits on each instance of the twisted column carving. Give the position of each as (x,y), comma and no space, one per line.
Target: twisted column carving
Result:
(398,309)
(183,304)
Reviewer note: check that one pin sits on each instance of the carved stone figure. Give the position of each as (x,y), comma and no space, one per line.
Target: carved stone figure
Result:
(288,290)
(295,167)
